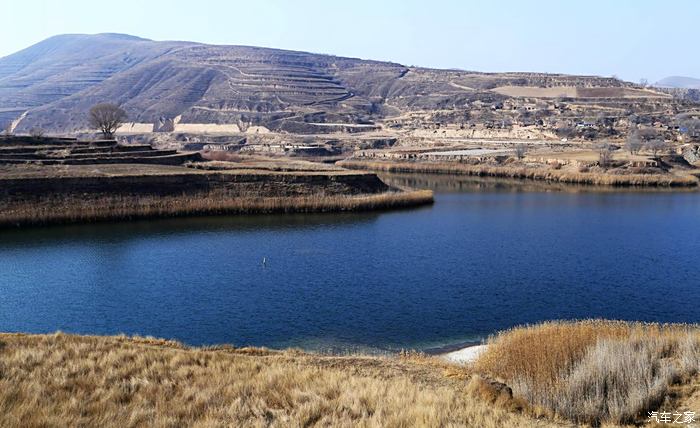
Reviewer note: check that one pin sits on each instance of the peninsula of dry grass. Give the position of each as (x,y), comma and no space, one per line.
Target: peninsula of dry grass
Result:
(74,209)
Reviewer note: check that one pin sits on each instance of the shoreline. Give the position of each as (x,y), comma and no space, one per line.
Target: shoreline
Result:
(464,356)
(461,354)
(521,172)
(446,349)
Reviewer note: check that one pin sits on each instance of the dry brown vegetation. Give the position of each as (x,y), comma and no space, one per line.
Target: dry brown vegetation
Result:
(594,371)
(523,172)
(588,372)
(62,380)
(72,209)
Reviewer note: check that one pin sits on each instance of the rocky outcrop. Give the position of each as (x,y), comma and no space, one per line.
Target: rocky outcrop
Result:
(691,152)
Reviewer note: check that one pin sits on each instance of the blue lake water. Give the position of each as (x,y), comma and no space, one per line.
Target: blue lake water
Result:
(486,256)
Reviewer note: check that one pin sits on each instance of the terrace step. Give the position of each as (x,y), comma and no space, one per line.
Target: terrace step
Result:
(51,141)
(89,155)
(70,151)
(172,159)
(73,149)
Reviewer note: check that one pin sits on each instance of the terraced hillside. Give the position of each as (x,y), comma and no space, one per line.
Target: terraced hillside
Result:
(69,151)
(181,86)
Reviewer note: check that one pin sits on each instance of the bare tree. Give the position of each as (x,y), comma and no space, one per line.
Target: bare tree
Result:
(520,150)
(604,155)
(506,122)
(671,148)
(648,134)
(565,131)
(693,127)
(644,82)
(107,118)
(634,143)
(242,124)
(656,145)
(36,132)
(690,125)
(523,114)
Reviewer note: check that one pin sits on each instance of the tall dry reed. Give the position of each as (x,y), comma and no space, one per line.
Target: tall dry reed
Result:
(73,209)
(523,172)
(615,381)
(593,371)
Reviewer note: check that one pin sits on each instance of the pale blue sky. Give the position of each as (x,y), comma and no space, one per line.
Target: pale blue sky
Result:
(631,39)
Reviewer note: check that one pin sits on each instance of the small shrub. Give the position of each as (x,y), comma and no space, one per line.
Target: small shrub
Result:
(604,155)
(494,392)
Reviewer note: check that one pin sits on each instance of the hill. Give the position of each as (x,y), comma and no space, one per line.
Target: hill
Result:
(182,85)
(678,82)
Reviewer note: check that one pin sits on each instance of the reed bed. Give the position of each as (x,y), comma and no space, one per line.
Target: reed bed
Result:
(522,172)
(74,209)
(594,371)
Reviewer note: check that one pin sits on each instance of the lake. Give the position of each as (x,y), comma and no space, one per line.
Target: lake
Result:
(488,255)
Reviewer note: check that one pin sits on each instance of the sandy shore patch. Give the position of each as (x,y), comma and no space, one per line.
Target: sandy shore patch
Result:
(465,355)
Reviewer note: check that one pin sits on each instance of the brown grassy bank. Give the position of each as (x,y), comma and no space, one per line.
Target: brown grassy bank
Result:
(76,209)
(62,380)
(596,371)
(588,372)
(521,172)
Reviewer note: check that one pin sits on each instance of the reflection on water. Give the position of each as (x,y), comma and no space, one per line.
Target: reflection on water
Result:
(444,183)
(489,254)
(126,230)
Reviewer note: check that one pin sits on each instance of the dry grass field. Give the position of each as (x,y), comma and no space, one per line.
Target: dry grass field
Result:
(561,374)
(61,380)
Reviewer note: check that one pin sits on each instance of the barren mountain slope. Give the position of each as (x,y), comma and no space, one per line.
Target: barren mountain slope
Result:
(52,85)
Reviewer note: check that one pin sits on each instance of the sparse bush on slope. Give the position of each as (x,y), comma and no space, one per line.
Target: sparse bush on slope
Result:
(593,371)
(615,380)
